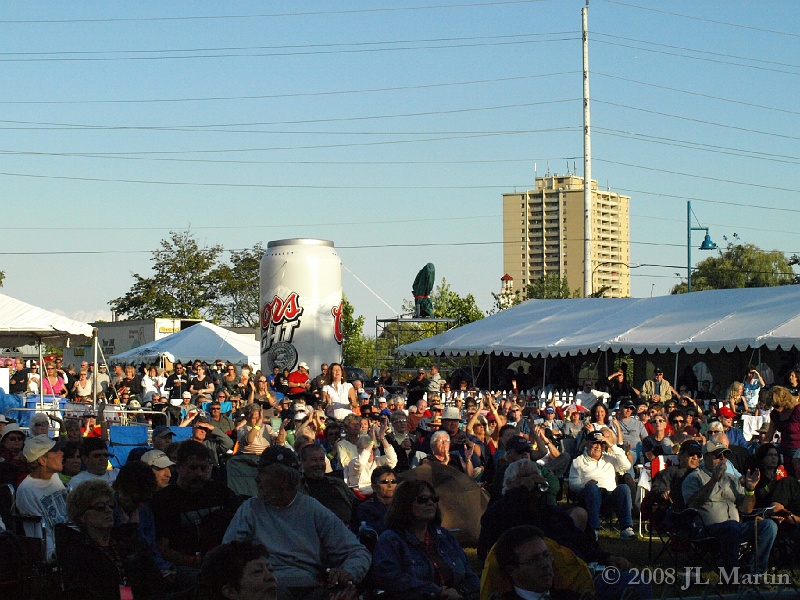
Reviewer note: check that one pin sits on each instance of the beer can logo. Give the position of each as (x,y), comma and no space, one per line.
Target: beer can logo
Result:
(338,333)
(280,318)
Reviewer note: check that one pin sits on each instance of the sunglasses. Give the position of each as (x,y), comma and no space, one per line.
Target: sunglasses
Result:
(389,482)
(697,454)
(425,499)
(659,420)
(101,506)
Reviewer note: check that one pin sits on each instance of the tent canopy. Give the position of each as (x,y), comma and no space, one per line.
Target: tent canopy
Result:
(203,341)
(22,323)
(701,321)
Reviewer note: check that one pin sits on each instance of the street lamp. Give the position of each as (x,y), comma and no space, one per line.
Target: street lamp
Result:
(706,245)
(611,262)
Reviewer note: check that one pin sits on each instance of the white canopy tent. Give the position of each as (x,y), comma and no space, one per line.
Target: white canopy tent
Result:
(203,341)
(701,321)
(22,323)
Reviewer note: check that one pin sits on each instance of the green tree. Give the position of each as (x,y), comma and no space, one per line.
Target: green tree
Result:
(549,287)
(447,304)
(238,295)
(358,350)
(740,266)
(181,285)
(2,277)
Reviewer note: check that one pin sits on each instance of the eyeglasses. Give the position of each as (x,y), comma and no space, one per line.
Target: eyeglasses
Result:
(400,421)
(659,420)
(101,506)
(425,499)
(231,369)
(676,421)
(389,482)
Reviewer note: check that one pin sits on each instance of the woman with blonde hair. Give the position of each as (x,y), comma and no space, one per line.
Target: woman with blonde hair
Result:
(785,419)
(736,399)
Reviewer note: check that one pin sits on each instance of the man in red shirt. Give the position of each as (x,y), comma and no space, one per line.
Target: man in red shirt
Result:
(299,383)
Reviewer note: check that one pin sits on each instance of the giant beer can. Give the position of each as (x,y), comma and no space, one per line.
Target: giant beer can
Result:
(301,304)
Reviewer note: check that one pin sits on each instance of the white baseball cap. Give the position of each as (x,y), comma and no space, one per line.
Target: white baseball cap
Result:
(157,459)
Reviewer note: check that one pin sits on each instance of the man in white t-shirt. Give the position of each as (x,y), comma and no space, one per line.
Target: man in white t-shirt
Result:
(41,493)
(589,396)
(94,454)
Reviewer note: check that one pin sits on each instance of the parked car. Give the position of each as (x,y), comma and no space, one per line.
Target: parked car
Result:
(352,373)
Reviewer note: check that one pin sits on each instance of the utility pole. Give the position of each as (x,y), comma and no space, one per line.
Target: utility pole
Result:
(587,163)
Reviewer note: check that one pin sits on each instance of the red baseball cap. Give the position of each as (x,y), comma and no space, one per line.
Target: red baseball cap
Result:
(726,411)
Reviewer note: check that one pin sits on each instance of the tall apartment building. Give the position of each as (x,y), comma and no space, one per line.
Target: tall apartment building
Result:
(543,233)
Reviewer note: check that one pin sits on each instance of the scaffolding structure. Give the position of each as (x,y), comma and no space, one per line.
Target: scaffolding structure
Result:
(392,333)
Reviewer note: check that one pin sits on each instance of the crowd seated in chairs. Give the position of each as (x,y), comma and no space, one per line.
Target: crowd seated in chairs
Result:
(355,480)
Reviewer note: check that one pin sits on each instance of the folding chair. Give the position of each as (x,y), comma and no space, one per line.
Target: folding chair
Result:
(124,438)
(181,433)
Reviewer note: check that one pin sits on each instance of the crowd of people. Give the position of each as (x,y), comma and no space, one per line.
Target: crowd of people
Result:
(296,487)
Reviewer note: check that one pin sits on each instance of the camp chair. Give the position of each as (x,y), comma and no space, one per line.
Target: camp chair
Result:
(569,573)
(225,407)
(124,438)
(181,433)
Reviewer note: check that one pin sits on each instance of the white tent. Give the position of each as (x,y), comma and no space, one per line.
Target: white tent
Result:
(203,341)
(22,323)
(714,320)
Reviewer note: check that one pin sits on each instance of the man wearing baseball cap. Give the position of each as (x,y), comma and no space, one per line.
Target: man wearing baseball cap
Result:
(657,389)
(667,486)
(721,498)
(160,463)
(300,383)
(735,435)
(593,475)
(41,493)
(306,541)
(162,437)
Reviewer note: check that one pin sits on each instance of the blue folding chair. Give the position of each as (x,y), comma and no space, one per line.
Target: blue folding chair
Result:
(123,439)
(181,433)
(224,407)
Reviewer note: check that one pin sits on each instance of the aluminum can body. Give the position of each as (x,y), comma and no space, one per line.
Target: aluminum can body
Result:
(301,304)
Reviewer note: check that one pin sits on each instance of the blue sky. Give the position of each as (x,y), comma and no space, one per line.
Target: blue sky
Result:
(391,128)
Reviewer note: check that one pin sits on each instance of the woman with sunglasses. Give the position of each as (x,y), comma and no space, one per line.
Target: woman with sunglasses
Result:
(98,560)
(372,512)
(416,557)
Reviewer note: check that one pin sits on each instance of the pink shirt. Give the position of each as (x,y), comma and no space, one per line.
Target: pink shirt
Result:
(789,429)
(55,389)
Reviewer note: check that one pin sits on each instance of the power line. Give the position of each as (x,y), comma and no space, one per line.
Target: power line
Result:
(725,23)
(693,93)
(711,60)
(757,60)
(642,137)
(705,177)
(290,162)
(266,15)
(695,198)
(701,121)
(210,127)
(285,46)
(290,53)
(296,94)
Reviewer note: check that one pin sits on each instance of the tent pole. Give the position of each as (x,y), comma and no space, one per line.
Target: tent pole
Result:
(489,359)
(95,371)
(544,373)
(605,361)
(675,379)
